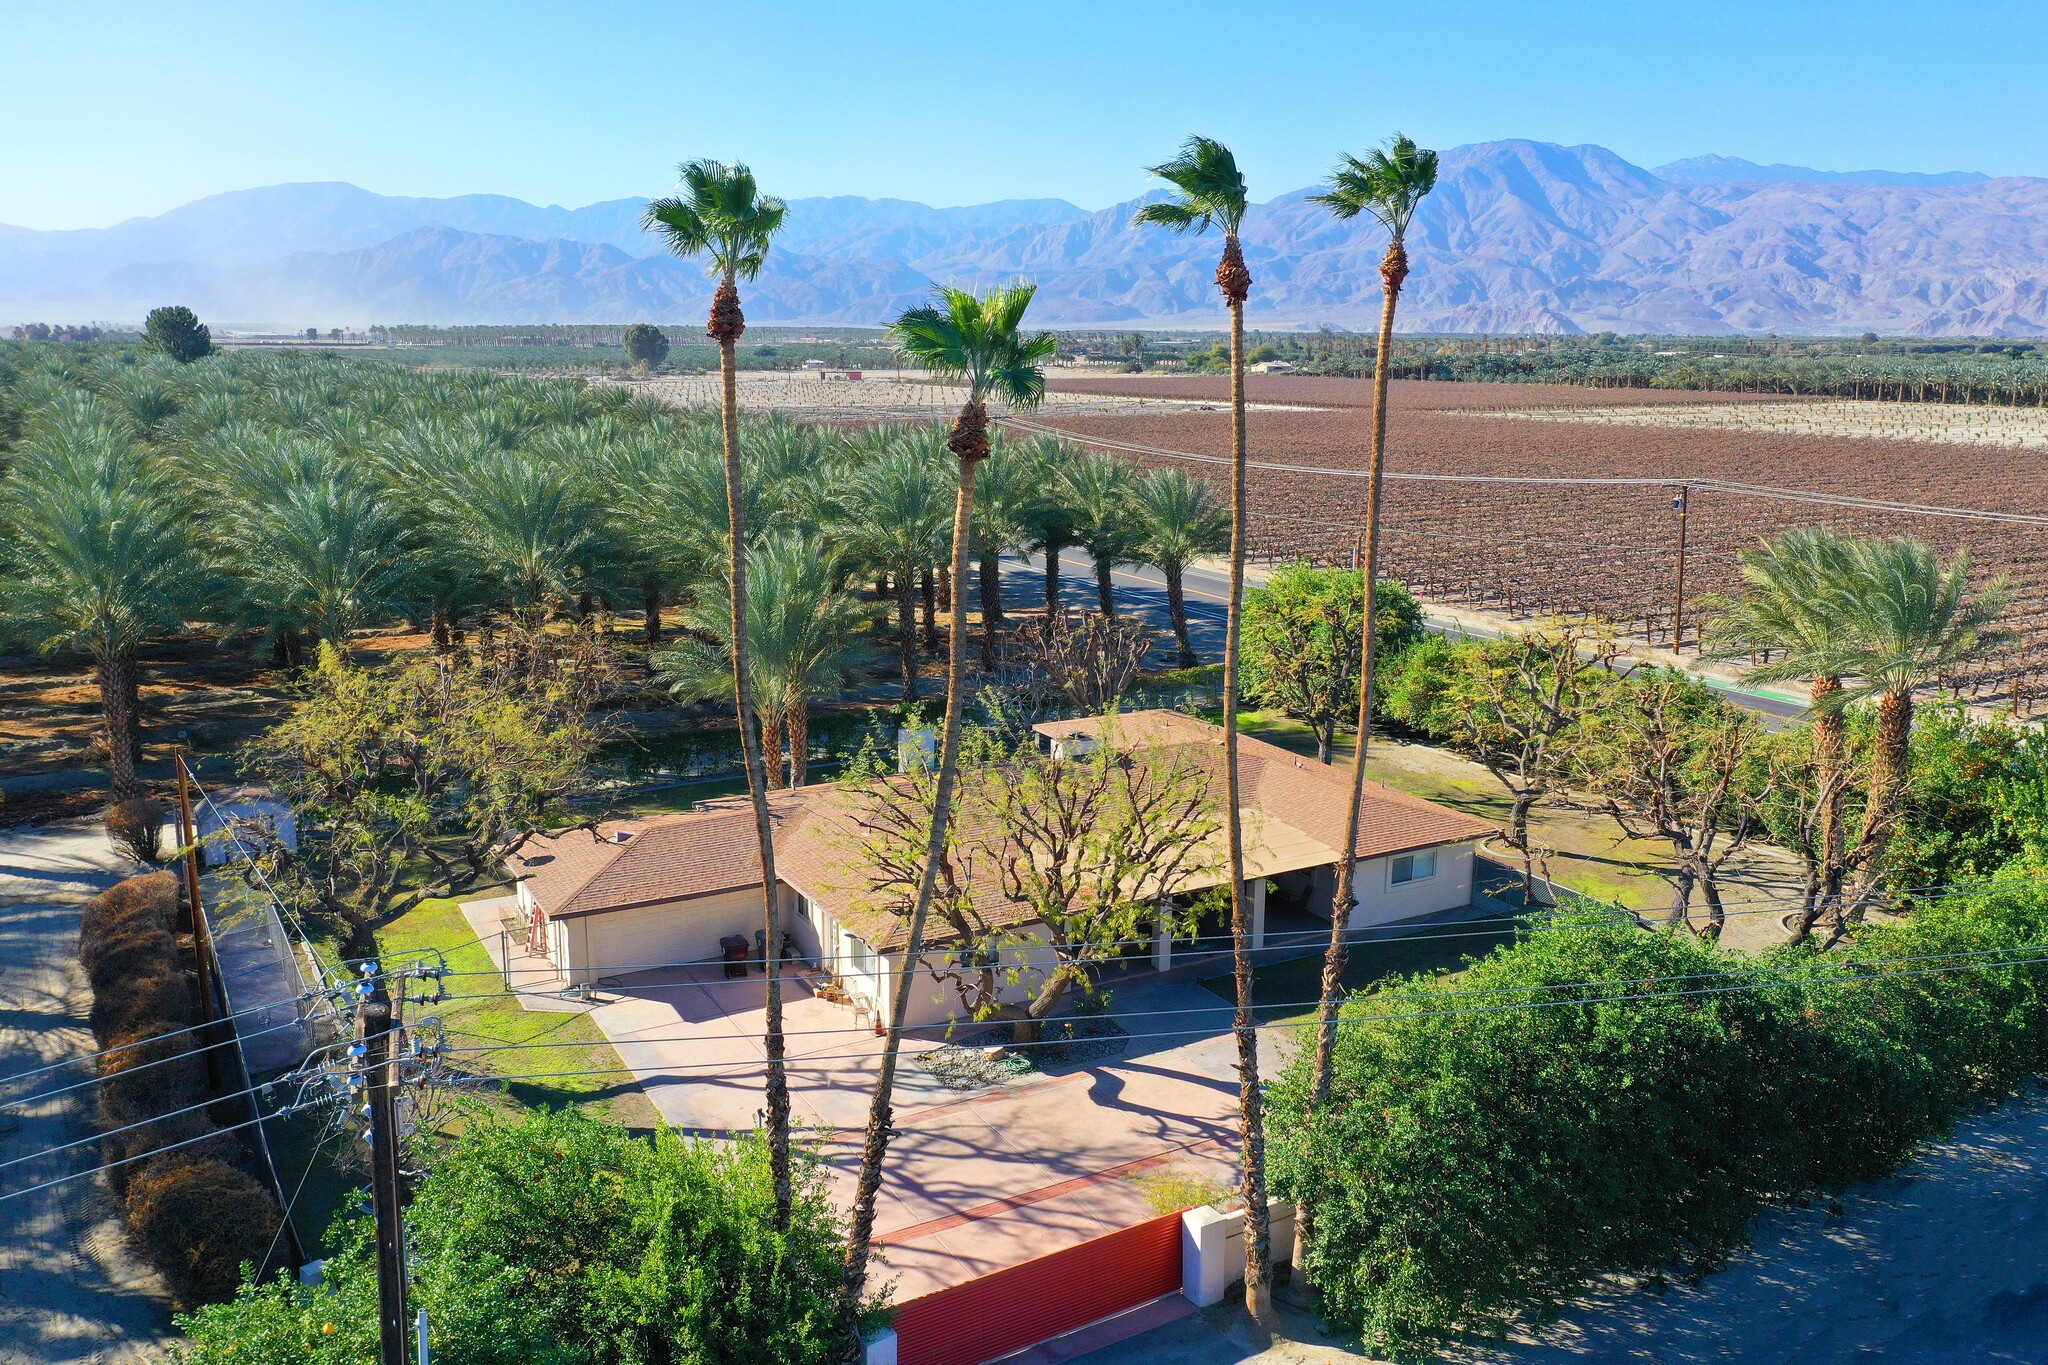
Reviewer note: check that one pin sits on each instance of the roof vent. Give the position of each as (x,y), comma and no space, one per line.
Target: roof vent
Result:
(620,836)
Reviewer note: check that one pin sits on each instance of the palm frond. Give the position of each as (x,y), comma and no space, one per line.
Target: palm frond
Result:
(1212,190)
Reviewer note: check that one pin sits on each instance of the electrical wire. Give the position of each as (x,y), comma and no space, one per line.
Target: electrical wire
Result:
(1871,968)
(826,1060)
(1550,919)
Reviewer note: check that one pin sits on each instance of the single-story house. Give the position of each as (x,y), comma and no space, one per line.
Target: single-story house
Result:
(663,892)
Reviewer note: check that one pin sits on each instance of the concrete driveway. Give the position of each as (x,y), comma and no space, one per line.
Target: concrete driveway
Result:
(975,1181)
(71,1293)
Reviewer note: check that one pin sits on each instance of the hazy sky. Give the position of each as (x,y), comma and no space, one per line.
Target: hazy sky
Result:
(116,109)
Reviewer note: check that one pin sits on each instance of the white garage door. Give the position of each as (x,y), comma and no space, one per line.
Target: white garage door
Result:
(630,941)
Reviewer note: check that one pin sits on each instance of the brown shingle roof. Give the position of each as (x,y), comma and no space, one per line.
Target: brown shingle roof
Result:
(1295,817)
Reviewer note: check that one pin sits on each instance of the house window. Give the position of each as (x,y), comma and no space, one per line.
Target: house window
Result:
(863,959)
(803,907)
(1412,867)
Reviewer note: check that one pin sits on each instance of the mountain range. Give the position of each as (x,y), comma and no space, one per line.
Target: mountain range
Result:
(1519,236)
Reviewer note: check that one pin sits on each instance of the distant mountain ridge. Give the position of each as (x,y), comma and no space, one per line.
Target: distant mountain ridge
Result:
(1520,236)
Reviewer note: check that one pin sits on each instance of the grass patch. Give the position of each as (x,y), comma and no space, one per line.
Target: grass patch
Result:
(486,1015)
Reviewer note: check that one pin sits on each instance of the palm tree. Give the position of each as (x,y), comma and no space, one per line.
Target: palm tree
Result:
(97,556)
(805,627)
(1389,185)
(979,341)
(723,216)
(893,507)
(309,537)
(1211,192)
(1789,585)
(1181,523)
(1050,522)
(1903,619)
(1098,489)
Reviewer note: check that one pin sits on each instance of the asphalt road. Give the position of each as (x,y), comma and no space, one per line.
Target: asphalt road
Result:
(1142,591)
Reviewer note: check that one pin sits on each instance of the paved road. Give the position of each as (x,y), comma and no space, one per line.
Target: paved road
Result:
(1142,590)
(70,1292)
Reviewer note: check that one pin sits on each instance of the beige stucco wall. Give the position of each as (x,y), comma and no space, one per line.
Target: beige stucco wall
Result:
(626,942)
(1381,902)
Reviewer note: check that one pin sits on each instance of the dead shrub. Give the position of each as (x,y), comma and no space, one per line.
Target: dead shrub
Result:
(129,1148)
(113,920)
(136,827)
(198,1219)
(149,1075)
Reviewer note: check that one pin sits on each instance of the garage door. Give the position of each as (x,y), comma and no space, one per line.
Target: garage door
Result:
(630,941)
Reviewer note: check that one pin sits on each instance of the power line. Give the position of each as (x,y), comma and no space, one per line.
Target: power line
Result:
(1788,975)
(1546,920)
(835,1061)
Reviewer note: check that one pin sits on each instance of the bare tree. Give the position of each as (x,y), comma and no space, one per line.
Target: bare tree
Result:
(1673,762)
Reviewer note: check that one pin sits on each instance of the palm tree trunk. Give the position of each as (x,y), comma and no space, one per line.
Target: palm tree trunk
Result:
(772,730)
(861,1224)
(799,742)
(1052,580)
(1830,753)
(1888,765)
(650,606)
(727,323)
(1105,588)
(991,608)
(928,593)
(1258,1241)
(906,632)
(1393,271)
(1177,610)
(123,725)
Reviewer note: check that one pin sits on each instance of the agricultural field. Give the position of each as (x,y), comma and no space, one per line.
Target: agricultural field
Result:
(1932,423)
(1509,540)
(895,395)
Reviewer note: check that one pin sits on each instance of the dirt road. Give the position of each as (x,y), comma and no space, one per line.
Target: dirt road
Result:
(70,1292)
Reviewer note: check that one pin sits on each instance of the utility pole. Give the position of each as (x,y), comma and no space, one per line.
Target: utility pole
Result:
(1678,603)
(202,938)
(377,1028)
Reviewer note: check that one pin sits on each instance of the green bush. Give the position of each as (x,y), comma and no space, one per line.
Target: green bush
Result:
(1478,1163)
(552,1237)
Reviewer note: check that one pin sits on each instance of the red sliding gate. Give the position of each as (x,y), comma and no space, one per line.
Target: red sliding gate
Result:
(1009,1309)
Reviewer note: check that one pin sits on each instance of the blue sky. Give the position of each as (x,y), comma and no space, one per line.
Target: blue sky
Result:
(116,109)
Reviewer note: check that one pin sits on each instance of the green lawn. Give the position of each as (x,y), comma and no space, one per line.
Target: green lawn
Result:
(482,1014)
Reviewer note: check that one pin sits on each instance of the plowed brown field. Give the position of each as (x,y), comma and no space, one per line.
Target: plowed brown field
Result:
(1537,549)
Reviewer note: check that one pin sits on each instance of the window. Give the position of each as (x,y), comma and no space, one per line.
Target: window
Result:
(1412,867)
(803,907)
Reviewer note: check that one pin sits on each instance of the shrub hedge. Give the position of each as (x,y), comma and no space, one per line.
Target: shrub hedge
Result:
(1477,1162)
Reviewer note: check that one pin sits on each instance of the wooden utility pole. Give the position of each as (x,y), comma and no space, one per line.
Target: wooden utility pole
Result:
(1678,602)
(377,1027)
(202,938)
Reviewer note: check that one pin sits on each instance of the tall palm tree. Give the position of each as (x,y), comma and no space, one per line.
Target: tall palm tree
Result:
(1098,489)
(979,341)
(1211,192)
(1389,185)
(1789,585)
(1904,619)
(723,216)
(805,627)
(96,555)
(1181,524)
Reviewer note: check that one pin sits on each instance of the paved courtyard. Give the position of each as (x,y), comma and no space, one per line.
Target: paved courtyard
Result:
(975,1180)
